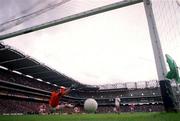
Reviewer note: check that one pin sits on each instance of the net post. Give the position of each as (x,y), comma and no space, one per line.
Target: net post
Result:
(158,53)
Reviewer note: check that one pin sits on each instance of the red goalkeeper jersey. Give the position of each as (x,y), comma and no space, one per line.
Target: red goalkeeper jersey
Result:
(55,97)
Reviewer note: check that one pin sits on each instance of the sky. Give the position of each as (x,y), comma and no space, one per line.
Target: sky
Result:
(112,47)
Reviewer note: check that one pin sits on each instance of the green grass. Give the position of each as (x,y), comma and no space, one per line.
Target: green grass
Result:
(97,117)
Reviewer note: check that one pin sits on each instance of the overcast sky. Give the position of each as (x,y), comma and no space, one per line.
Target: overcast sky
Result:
(111,47)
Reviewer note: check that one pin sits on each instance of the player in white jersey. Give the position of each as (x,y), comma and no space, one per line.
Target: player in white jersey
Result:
(117,104)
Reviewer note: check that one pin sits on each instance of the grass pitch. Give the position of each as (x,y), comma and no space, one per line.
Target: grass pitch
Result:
(97,117)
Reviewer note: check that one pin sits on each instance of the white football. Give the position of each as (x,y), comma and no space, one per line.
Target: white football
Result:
(90,105)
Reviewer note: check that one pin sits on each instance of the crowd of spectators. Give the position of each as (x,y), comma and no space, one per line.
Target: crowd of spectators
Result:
(27,107)
(129,108)
(123,109)
(9,106)
(6,75)
(111,94)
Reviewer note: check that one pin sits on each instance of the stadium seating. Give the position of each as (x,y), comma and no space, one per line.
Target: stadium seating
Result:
(147,99)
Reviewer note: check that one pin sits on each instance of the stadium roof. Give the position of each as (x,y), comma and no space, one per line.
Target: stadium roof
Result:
(18,62)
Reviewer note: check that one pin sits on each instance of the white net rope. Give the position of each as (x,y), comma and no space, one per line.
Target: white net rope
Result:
(30,13)
(167,17)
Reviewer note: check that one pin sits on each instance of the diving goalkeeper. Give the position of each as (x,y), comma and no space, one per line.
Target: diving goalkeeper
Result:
(57,95)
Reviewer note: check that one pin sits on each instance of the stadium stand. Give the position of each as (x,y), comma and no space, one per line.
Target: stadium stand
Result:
(9,106)
(16,62)
(15,78)
(26,86)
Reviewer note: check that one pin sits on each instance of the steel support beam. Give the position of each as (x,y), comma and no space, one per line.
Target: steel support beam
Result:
(50,77)
(13,60)
(72,18)
(38,73)
(26,67)
(4,48)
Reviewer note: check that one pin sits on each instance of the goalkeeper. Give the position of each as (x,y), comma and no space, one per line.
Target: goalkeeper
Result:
(56,95)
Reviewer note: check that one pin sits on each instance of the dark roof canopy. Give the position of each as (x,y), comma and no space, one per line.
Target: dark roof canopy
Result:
(16,61)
